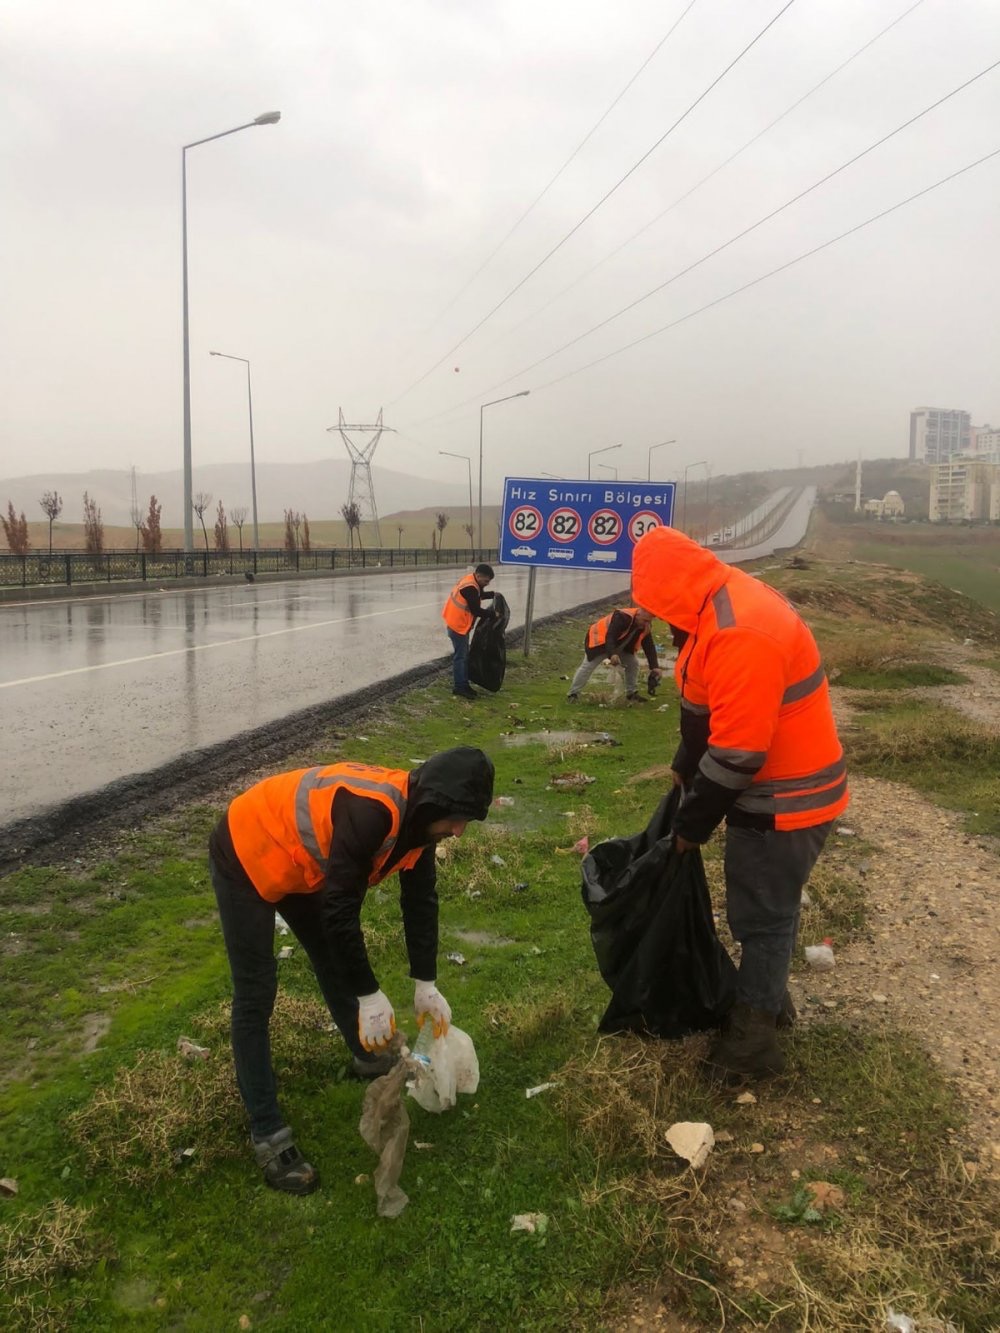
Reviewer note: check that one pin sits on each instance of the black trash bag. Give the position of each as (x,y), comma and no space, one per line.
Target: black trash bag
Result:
(653,933)
(488,647)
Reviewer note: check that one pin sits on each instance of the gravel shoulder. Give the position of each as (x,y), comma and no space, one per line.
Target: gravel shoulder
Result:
(926,962)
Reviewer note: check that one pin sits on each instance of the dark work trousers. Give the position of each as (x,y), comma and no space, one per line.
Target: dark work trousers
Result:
(248,929)
(765,874)
(460,662)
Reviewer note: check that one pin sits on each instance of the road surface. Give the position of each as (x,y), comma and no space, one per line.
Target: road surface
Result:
(95,689)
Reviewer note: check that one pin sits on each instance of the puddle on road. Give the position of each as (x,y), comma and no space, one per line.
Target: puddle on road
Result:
(559,738)
(482,937)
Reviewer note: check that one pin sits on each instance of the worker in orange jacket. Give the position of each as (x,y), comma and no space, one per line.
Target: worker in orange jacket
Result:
(309,844)
(460,612)
(617,637)
(759,748)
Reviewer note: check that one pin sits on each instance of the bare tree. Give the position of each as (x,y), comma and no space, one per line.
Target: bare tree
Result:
(297,524)
(16,530)
(468,530)
(93,526)
(306,538)
(152,537)
(400,529)
(52,504)
(290,542)
(221,529)
(351,514)
(135,514)
(199,504)
(442,520)
(238,514)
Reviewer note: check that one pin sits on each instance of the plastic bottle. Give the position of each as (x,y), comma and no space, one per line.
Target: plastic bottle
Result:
(424,1045)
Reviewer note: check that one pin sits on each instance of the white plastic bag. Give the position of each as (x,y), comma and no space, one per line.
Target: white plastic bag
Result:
(452,1067)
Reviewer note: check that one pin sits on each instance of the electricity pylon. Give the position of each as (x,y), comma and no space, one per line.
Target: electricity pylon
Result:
(362,488)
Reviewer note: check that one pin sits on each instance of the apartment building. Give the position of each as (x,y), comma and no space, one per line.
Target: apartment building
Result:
(965,490)
(938,433)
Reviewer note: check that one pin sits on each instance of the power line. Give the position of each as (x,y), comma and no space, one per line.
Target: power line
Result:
(754,282)
(747,230)
(737,291)
(700,98)
(715,171)
(575,153)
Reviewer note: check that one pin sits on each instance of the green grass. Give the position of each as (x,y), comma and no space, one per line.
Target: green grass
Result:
(953,761)
(131,945)
(905,677)
(968,570)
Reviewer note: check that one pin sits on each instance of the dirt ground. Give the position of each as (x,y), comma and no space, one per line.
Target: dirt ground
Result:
(927,960)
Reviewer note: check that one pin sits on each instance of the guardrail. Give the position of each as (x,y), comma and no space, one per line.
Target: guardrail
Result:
(68,568)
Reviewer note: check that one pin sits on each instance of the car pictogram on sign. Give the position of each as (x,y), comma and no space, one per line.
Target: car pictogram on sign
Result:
(524,550)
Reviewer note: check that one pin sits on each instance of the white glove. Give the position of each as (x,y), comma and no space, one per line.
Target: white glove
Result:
(427,999)
(376,1021)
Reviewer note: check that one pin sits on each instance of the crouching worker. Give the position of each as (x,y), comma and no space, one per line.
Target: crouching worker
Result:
(759,749)
(617,638)
(309,844)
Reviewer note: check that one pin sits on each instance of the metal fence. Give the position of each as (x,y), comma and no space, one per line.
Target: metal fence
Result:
(68,568)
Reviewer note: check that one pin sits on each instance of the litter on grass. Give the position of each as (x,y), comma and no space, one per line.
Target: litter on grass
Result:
(569,781)
(190,1050)
(692,1140)
(457,958)
(286,952)
(529,1222)
(542,1087)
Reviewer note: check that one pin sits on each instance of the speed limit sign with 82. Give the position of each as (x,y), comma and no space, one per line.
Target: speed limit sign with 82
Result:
(525,521)
(564,525)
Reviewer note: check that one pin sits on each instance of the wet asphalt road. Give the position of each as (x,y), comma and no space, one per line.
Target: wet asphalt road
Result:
(93,690)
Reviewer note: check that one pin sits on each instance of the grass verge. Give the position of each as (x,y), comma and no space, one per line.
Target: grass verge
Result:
(142,1208)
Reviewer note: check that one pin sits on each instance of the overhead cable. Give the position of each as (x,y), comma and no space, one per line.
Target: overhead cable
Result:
(747,230)
(603,200)
(715,171)
(576,151)
(782,268)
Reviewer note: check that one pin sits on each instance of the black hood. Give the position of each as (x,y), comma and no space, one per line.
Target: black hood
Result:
(456,782)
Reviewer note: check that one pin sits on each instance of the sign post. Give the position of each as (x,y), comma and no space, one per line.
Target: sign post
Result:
(577,525)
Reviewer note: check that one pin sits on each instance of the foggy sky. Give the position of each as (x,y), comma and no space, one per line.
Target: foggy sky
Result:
(413,136)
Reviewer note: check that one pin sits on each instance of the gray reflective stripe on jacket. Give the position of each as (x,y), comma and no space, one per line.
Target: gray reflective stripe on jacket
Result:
(312,781)
(802,688)
(784,795)
(731,768)
(722,605)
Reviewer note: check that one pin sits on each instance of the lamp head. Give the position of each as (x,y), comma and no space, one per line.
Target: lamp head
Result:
(268,118)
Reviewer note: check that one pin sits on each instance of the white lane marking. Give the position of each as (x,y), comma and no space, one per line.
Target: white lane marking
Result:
(84,599)
(202,647)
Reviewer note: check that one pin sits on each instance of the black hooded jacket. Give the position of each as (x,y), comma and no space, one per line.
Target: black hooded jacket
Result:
(455,783)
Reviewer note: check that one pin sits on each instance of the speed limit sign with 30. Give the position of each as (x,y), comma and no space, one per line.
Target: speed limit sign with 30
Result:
(579,524)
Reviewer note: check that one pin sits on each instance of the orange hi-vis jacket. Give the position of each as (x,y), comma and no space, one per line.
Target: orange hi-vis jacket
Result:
(754,695)
(282,828)
(457,615)
(597,635)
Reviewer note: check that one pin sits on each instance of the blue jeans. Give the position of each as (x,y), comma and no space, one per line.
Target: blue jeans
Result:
(765,874)
(460,662)
(248,930)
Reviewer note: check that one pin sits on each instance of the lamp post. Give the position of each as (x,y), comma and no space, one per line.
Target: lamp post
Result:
(468,461)
(649,457)
(523,394)
(608,468)
(253,466)
(684,506)
(268,118)
(594,452)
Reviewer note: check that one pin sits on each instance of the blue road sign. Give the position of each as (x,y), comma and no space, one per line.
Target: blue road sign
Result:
(579,524)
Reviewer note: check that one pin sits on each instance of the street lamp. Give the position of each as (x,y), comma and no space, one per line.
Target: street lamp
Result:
(445,454)
(268,118)
(523,394)
(594,452)
(684,508)
(649,457)
(608,468)
(253,467)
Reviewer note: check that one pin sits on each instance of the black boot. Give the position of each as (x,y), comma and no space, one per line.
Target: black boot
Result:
(283,1165)
(787,1014)
(747,1049)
